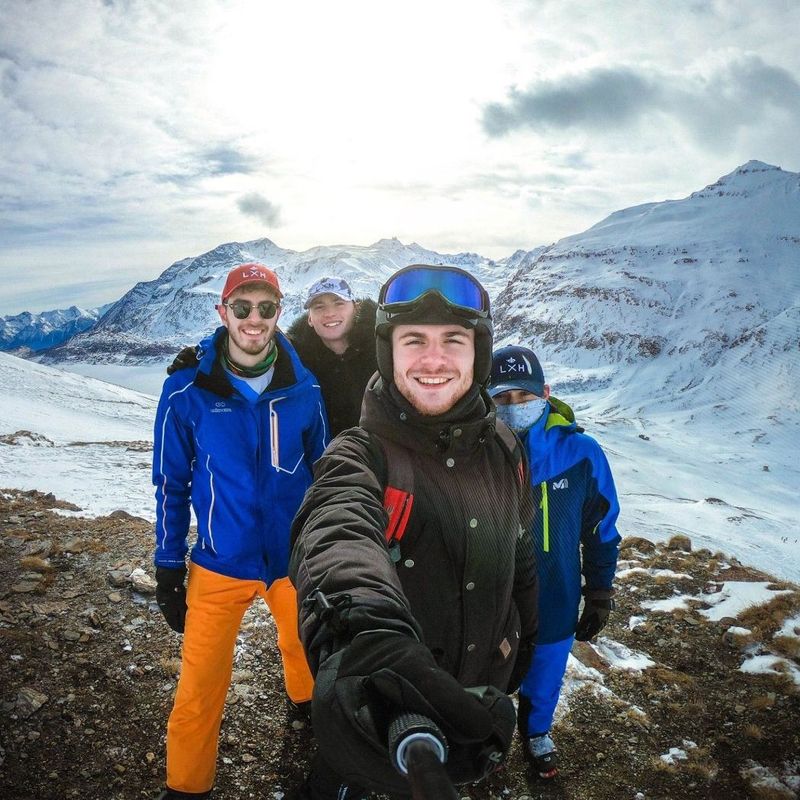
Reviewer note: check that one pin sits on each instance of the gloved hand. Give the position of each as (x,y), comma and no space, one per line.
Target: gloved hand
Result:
(597,606)
(171,596)
(522,664)
(186,358)
(405,675)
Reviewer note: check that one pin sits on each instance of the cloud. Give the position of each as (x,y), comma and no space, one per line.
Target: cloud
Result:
(604,97)
(227,160)
(257,206)
(713,105)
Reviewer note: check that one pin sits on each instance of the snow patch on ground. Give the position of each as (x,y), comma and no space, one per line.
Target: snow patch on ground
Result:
(736,596)
(676,754)
(732,598)
(771,665)
(619,656)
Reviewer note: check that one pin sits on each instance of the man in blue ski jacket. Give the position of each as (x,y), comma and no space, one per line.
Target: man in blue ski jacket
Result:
(574,533)
(235,436)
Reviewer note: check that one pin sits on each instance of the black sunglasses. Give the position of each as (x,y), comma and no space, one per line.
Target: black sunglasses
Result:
(242,308)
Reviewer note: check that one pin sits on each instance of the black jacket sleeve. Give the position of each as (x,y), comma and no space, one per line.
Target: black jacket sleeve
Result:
(339,549)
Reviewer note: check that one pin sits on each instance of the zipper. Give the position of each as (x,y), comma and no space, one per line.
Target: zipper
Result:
(545,506)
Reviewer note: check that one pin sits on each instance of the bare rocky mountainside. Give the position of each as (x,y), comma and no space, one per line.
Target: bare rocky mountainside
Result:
(659,707)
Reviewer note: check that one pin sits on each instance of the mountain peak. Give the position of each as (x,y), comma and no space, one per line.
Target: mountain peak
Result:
(750,167)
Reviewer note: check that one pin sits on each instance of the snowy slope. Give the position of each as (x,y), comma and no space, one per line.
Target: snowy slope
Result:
(699,298)
(87,441)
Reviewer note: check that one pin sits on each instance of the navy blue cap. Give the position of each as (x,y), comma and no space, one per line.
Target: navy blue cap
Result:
(515,367)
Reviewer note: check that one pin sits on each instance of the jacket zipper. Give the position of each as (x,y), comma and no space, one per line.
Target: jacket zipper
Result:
(545,506)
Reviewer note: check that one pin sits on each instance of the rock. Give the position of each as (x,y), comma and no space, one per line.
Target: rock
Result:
(248,758)
(25,587)
(76,545)
(42,548)
(115,597)
(29,701)
(117,578)
(142,582)
(588,656)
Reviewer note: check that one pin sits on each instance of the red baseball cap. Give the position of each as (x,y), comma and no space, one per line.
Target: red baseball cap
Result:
(250,273)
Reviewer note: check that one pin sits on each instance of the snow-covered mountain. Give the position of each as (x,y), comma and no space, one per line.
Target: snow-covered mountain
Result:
(699,297)
(156,317)
(36,332)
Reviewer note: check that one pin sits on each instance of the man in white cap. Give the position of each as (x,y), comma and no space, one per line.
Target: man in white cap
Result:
(335,339)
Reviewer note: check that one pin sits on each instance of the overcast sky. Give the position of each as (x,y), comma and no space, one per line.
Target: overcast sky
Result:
(139,132)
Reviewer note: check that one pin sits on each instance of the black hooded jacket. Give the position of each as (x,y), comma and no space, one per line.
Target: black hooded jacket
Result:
(342,378)
(465,579)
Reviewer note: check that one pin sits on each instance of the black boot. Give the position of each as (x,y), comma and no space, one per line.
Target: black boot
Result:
(173,794)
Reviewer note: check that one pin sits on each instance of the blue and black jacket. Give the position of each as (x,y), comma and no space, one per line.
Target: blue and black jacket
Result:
(575,530)
(244,465)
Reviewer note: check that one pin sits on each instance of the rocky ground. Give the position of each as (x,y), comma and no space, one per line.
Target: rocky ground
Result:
(88,669)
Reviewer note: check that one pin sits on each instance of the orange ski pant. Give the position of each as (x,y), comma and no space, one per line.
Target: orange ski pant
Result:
(216,605)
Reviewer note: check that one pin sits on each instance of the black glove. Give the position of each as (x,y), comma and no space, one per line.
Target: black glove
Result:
(597,606)
(522,664)
(171,596)
(405,675)
(186,358)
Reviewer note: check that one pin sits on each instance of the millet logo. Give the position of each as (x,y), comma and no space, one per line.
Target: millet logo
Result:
(562,484)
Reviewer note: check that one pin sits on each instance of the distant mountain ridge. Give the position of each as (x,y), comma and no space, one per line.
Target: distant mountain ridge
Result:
(681,294)
(47,329)
(156,317)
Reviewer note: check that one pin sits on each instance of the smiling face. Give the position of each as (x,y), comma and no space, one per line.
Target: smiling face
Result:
(332,320)
(248,339)
(433,365)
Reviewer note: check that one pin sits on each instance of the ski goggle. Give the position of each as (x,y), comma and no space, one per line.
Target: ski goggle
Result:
(242,308)
(404,290)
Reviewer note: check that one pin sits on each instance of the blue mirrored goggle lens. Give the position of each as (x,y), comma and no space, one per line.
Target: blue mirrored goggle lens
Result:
(455,287)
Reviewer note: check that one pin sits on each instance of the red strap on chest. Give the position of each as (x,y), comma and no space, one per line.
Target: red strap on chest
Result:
(398,506)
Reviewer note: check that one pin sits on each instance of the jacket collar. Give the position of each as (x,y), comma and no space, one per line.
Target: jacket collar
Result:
(211,374)
(387,413)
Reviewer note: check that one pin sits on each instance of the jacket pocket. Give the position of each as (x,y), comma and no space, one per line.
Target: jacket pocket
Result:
(505,651)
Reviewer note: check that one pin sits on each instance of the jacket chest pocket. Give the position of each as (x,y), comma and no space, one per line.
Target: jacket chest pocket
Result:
(283,438)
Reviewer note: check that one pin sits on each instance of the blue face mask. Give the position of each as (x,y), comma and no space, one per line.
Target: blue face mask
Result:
(520,417)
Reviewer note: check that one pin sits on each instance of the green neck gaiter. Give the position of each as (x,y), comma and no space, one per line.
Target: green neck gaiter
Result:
(249,372)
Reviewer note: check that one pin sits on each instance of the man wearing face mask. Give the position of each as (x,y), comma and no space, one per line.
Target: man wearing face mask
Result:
(574,533)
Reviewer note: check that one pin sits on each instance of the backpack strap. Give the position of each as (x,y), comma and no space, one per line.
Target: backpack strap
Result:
(512,447)
(398,496)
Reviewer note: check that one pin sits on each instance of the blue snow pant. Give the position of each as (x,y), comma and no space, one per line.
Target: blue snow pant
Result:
(538,694)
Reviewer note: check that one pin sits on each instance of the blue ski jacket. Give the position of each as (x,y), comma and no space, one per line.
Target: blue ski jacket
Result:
(576,529)
(244,466)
